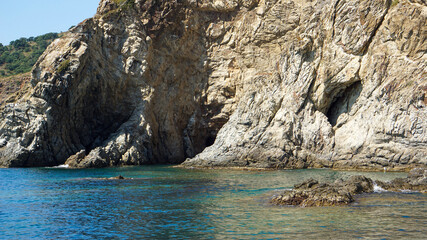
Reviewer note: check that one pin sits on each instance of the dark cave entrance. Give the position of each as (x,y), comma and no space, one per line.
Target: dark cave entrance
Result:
(343,102)
(210,140)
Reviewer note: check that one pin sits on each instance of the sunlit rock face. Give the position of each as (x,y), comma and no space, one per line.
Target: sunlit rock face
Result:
(268,83)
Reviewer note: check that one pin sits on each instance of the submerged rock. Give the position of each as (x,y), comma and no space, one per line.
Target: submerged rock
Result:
(227,83)
(311,193)
(120,177)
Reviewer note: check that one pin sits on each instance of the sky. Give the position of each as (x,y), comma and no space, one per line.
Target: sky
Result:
(31,18)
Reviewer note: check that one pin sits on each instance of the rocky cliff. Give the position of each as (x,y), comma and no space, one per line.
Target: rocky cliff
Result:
(246,83)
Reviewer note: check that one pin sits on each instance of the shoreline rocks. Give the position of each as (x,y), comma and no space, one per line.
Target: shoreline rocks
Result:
(311,193)
(340,167)
(416,181)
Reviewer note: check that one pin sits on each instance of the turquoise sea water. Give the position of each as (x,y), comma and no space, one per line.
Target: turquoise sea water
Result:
(162,202)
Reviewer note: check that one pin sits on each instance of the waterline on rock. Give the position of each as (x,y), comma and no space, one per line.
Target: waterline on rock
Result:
(378,189)
(62,166)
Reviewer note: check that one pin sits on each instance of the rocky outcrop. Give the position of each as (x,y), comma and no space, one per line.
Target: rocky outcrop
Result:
(416,181)
(348,90)
(122,88)
(311,193)
(13,88)
(253,83)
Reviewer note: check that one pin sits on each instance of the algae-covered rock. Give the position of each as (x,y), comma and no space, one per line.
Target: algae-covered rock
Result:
(311,193)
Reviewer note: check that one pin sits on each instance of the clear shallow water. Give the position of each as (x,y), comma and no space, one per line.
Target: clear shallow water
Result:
(170,203)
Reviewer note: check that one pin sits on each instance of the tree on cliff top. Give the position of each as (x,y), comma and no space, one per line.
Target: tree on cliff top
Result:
(21,54)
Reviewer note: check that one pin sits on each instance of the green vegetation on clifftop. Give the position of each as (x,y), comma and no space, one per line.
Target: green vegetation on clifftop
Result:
(20,55)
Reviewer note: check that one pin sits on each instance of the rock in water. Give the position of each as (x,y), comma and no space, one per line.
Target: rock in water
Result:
(416,181)
(120,177)
(311,193)
(272,83)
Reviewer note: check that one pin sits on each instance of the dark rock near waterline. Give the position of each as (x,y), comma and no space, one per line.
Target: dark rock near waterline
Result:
(311,193)
(74,160)
(119,177)
(416,181)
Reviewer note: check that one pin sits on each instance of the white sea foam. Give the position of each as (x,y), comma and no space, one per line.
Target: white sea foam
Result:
(378,189)
(407,191)
(62,166)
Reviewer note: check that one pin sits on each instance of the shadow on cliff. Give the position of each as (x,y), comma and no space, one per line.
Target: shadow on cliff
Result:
(126,87)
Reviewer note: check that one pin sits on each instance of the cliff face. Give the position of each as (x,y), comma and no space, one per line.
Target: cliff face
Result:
(248,83)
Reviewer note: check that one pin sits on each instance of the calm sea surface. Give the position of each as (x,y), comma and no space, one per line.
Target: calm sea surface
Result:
(162,202)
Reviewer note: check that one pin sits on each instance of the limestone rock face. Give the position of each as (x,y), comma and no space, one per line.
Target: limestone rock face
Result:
(248,83)
(346,89)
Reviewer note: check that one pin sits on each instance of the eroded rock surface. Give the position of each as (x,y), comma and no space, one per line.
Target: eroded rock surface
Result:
(246,83)
(311,193)
(416,181)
